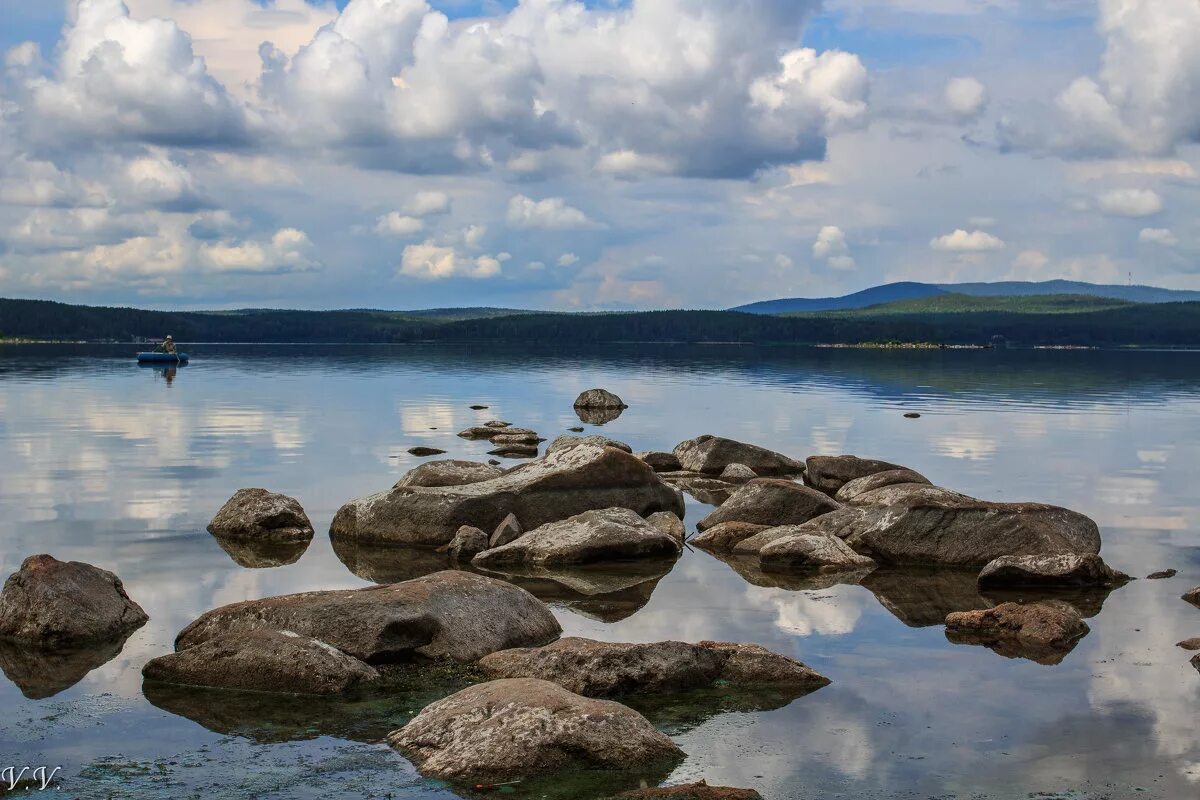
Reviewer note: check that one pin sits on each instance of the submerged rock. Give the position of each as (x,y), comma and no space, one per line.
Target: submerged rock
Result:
(611,534)
(515,728)
(604,669)
(710,491)
(604,592)
(422,452)
(852,490)
(713,454)
(770,501)
(830,473)
(598,416)
(599,398)
(563,484)
(41,671)
(1162,575)
(467,543)
(262,661)
(448,473)
(660,462)
(692,791)
(262,515)
(1068,569)
(455,615)
(811,552)
(723,538)
(1041,632)
(55,603)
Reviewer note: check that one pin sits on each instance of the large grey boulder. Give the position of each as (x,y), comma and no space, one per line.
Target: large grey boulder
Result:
(770,501)
(859,486)
(807,551)
(54,603)
(563,484)
(450,614)
(1042,632)
(907,494)
(712,454)
(567,441)
(726,536)
(262,661)
(830,473)
(261,515)
(599,398)
(1067,569)
(516,728)
(449,473)
(605,669)
(611,534)
(840,522)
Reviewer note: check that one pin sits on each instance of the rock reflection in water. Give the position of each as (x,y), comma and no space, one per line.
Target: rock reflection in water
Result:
(598,416)
(262,555)
(41,672)
(388,564)
(607,593)
(747,567)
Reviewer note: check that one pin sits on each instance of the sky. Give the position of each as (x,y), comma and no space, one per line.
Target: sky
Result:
(601,155)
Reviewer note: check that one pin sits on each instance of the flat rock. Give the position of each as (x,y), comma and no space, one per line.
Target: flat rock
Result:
(509,530)
(830,473)
(770,501)
(660,462)
(1162,575)
(422,452)
(907,494)
(712,454)
(497,423)
(54,603)
(515,451)
(1066,569)
(1043,632)
(561,485)
(738,473)
(807,551)
(451,614)
(869,483)
(262,661)
(599,398)
(514,728)
(467,543)
(724,537)
(261,515)
(692,791)
(611,534)
(448,473)
(605,669)
(478,432)
(566,441)
(526,440)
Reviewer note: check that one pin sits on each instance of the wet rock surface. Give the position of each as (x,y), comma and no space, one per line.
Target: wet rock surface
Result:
(56,603)
(448,473)
(264,661)
(452,614)
(660,462)
(713,454)
(261,515)
(770,501)
(1069,569)
(612,534)
(515,728)
(1044,632)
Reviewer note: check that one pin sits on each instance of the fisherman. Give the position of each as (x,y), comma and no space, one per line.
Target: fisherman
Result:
(168,346)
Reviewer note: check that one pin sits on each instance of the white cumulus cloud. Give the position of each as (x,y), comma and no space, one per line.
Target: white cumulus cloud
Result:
(961,241)
(552,213)
(832,248)
(432,262)
(966,98)
(1161,236)
(1130,202)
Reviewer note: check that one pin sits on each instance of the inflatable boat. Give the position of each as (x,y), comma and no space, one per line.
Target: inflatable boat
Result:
(162,358)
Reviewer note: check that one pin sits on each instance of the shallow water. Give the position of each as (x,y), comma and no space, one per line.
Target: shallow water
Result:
(105,462)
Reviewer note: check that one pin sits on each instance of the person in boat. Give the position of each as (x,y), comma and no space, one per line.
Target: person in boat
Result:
(168,346)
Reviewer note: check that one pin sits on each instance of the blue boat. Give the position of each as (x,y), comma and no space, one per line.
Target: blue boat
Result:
(162,358)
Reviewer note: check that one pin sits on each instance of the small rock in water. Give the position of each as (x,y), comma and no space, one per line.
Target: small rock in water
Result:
(576,429)
(494,462)
(256,514)
(611,534)
(1158,576)
(912,415)
(467,543)
(599,398)
(497,423)
(692,791)
(479,408)
(422,452)
(1041,632)
(1193,596)
(1189,644)
(1196,661)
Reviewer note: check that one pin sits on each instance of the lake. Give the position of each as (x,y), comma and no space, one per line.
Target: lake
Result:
(120,466)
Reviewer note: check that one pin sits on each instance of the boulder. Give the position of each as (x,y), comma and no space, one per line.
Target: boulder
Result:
(692,791)
(660,462)
(611,534)
(422,452)
(899,494)
(527,440)
(1162,575)
(712,454)
(515,728)
(724,537)
(54,603)
(451,614)
(261,515)
(467,543)
(770,501)
(811,552)
(599,398)
(523,433)
(1066,569)
(262,661)
(669,524)
(478,432)
(1193,596)
(566,441)
(605,669)
(509,530)
(869,483)
(561,485)
(448,473)
(830,473)
(1189,644)
(840,522)
(738,473)
(497,423)
(1043,632)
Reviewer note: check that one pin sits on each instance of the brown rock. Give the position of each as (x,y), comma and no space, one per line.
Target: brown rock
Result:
(467,543)
(660,462)
(422,452)
(1067,569)
(599,398)
(1162,575)
(261,515)
(669,524)
(611,534)
(830,473)
(712,454)
(770,501)
(808,551)
(497,423)
(567,441)
(1042,632)
(869,483)
(738,473)
(693,791)
(507,531)
(726,536)
(448,473)
(1193,596)
(1189,644)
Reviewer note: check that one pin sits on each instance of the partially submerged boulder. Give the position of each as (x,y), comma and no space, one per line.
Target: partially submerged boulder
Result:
(830,473)
(515,728)
(770,501)
(451,614)
(815,552)
(599,398)
(54,603)
(669,524)
(724,537)
(567,441)
(851,490)
(506,439)
(712,454)
(467,543)
(660,462)
(262,661)
(611,534)
(738,473)
(423,452)
(839,523)
(1042,632)
(605,669)
(261,515)
(692,791)
(561,485)
(1193,596)
(1066,569)
(448,473)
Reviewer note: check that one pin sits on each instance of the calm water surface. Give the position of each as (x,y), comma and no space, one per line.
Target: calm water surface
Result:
(105,462)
